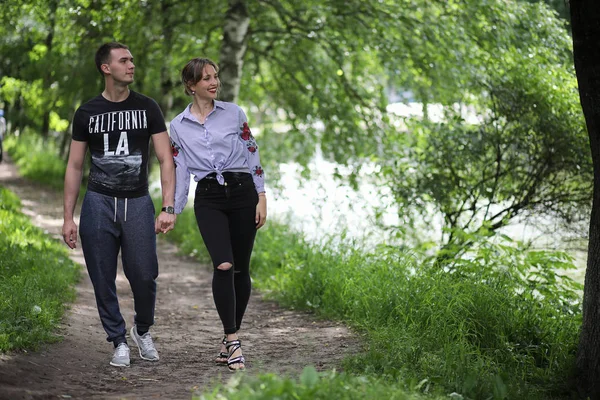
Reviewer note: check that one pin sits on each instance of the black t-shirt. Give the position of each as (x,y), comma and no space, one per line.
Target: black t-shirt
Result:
(118,135)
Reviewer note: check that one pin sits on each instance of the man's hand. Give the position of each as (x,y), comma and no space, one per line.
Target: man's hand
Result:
(164,222)
(162,147)
(73,176)
(69,232)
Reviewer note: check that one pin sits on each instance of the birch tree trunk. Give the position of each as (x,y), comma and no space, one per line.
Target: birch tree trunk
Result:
(233,48)
(166,83)
(47,81)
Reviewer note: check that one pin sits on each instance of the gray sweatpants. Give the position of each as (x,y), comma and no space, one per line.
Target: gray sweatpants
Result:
(107,225)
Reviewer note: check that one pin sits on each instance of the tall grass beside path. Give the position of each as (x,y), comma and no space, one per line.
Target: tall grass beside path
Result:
(37,159)
(499,323)
(36,280)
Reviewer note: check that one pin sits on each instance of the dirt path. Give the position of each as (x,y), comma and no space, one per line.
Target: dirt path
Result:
(187,331)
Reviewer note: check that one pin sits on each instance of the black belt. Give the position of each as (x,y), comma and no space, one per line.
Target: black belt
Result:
(229,176)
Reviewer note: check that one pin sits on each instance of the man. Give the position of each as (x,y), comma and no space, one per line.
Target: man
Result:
(117,213)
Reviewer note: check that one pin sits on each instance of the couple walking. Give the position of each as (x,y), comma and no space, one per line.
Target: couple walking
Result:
(210,140)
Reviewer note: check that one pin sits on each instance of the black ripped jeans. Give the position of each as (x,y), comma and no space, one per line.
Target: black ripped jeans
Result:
(225,215)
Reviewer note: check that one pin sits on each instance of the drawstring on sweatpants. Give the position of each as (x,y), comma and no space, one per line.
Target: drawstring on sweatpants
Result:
(115,219)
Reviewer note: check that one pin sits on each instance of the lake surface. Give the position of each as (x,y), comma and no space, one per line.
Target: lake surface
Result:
(322,207)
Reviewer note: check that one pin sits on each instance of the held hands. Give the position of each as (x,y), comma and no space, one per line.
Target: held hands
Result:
(69,232)
(164,222)
(261,211)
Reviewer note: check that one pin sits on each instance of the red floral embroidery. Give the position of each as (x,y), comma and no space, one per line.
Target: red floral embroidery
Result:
(246,134)
(252,149)
(258,170)
(175,150)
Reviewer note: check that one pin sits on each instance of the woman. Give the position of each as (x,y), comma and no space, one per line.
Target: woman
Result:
(212,141)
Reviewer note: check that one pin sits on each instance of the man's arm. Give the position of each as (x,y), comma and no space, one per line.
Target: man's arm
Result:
(162,147)
(72,184)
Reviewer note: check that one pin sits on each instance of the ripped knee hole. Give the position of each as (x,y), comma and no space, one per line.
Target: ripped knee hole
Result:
(225,266)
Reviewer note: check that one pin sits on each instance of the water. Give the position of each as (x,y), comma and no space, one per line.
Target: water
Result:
(323,206)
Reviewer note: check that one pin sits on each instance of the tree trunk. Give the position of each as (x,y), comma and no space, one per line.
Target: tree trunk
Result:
(166,83)
(7,116)
(48,73)
(233,48)
(165,99)
(65,141)
(585,23)
(19,114)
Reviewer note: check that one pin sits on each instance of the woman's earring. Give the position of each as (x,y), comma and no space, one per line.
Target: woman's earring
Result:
(193,92)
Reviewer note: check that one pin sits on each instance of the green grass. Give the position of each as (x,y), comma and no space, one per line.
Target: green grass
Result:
(36,280)
(312,385)
(497,323)
(37,158)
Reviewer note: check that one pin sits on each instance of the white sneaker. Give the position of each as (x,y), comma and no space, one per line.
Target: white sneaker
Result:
(145,345)
(121,356)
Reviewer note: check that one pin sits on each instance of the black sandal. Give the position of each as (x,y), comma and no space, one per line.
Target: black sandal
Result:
(232,346)
(223,355)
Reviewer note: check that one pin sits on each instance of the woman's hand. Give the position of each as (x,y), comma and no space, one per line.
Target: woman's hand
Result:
(164,222)
(261,210)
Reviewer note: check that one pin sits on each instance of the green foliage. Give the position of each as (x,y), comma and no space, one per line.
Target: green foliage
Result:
(527,154)
(499,323)
(560,6)
(311,385)
(9,201)
(37,158)
(33,288)
(319,75)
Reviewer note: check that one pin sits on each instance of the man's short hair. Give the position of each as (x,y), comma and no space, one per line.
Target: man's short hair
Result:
(103,54)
